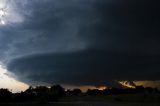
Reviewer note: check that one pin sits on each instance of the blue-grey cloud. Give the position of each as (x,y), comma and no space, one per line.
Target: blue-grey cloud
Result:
(83,41)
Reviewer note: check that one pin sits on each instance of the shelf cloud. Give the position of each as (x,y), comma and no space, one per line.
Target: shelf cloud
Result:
(83,41)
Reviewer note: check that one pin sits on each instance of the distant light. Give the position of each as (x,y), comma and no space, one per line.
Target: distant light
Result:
(102,88)
(128,84)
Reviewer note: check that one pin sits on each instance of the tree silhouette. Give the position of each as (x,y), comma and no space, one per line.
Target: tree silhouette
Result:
(43,94)
(57,90)
(5,95)
(76,92)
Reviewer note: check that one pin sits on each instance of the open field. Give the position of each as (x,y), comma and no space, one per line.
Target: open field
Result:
(68,104)
(119,100)
(110,100)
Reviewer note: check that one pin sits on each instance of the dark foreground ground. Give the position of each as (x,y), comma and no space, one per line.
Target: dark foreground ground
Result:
(114,100)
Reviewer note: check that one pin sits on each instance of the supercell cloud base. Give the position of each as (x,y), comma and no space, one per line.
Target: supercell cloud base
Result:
(81,42)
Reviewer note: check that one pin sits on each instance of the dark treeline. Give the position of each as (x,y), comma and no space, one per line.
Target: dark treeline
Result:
(43,94)
(116,91)
(39,94)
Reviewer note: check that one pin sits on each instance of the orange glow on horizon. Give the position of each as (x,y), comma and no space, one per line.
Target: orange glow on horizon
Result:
(10,83)
(127,84)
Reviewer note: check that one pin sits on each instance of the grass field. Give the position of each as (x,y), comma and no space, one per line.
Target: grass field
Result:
(110,100)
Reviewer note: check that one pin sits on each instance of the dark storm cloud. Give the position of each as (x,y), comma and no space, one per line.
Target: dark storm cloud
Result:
(85,67)
(85,41)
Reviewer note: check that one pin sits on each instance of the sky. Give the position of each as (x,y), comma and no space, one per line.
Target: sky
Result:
(79,42)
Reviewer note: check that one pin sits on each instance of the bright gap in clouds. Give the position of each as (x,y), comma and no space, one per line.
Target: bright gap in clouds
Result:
(9,13)
(2,22)
(2,15)
(10,83)
(3,12)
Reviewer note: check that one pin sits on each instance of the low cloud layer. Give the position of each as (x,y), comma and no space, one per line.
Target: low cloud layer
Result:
(82,41)
(88,67)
